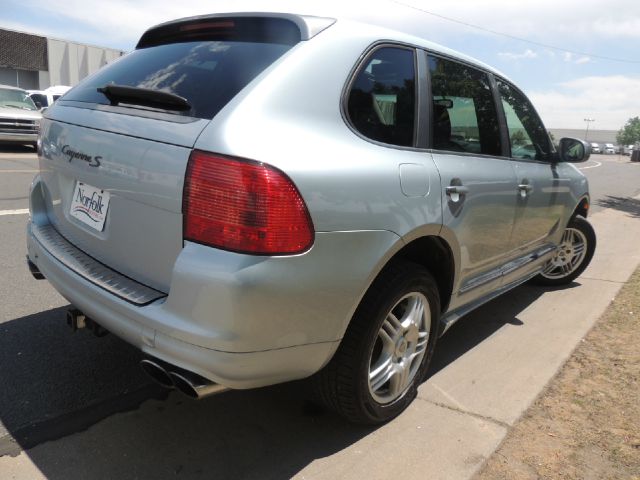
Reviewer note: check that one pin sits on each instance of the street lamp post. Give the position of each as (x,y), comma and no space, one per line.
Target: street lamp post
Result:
(588,120)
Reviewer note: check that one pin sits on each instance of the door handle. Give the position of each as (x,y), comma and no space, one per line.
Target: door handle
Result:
(454,192)
(459,189)
(525,189)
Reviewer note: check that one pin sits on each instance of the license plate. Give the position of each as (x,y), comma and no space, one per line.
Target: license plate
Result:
(89,205)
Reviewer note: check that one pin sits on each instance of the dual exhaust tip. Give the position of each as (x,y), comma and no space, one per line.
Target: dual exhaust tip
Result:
(169,376)
(190,384)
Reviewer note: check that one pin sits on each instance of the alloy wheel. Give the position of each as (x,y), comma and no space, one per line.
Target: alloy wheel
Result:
(399,348)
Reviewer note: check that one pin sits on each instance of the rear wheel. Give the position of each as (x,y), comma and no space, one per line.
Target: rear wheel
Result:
(385,352)
(573,255)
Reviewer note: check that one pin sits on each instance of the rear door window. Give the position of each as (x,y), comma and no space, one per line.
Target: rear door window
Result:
(381,103)
(465,118)
(206,68)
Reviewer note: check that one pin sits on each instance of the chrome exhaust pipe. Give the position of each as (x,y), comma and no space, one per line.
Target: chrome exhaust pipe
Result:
(193,385)
(156,372)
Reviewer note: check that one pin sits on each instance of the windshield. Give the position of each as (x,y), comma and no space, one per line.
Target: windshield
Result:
(16,99)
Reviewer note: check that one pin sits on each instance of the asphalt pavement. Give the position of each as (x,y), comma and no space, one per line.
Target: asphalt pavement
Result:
(75,406)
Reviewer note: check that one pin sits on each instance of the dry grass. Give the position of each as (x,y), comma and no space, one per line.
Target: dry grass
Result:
(586,425)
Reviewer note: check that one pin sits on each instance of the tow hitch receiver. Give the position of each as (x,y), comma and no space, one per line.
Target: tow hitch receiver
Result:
(77,320)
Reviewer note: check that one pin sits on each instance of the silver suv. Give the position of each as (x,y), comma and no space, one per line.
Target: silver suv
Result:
(257,198)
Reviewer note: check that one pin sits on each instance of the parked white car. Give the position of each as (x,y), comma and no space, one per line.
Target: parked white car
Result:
(45,98)
(627,149)
(595,148)
(609,149)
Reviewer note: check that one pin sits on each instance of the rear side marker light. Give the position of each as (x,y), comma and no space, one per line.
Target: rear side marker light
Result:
(244,206)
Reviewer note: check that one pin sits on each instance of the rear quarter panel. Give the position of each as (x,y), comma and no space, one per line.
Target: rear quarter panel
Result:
(290,117)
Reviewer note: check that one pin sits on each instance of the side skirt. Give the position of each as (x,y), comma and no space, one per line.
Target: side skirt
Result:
(453,316)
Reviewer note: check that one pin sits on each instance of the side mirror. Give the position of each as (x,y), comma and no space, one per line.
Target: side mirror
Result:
(38,104)
(573,150)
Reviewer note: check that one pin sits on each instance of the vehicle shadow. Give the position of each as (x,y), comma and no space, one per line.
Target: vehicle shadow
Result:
(48,374)
(474,328)
(264,433)
(623,204)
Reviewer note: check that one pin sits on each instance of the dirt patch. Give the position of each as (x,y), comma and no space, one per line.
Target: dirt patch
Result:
(586,424)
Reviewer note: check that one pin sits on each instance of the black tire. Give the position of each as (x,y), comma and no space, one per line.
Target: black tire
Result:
(557,279)
(343,385)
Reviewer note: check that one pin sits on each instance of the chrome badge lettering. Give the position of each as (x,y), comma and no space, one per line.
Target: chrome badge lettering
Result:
(71,154)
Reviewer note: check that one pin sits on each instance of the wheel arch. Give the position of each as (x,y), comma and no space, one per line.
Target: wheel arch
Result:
(582,208)
(435,254)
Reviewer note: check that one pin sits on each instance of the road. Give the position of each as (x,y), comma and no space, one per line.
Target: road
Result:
(613,179)
(56,383)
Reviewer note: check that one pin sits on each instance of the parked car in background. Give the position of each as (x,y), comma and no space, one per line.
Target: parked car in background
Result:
(609,149)
(45,98)
(258,198)
(19,117)
(627,150)
(595,148)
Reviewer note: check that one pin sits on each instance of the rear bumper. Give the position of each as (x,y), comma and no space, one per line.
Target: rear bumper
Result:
(238,320)
(129,322)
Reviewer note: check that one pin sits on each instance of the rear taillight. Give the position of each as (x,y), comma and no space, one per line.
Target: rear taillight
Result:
(243,206)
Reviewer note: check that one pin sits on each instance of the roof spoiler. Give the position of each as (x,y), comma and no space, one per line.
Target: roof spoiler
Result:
(273,27)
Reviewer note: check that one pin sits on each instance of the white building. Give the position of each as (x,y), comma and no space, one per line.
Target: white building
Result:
(35,62)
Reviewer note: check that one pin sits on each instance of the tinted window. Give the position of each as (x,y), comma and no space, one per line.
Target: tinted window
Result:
(40,98)
(527,135)
(464,113)
(208,74)
(382,99)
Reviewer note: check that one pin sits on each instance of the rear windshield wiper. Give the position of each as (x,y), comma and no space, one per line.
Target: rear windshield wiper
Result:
(144,97)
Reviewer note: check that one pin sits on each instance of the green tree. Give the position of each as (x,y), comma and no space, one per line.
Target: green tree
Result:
(630,133)
(518,138)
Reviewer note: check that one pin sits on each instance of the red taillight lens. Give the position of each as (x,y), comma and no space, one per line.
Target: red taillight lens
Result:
(243,206)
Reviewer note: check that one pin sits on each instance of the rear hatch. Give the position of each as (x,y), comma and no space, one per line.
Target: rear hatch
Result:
(113,161)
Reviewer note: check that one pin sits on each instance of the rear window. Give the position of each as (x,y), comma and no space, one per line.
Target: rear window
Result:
(207,73)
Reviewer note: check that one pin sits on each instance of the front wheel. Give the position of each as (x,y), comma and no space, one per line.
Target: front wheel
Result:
(385,352)
(573,255)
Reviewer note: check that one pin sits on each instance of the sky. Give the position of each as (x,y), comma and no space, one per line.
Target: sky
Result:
(554,50)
